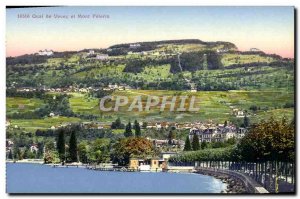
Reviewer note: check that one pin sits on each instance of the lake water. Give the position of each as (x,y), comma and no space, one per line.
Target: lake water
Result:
(36,178)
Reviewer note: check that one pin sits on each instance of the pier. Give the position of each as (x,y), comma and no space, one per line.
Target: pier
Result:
(100,168)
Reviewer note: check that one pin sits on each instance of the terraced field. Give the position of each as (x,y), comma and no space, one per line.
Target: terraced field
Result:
(214,105)
(233,58)
(21,105)
(31,125)
(83,105)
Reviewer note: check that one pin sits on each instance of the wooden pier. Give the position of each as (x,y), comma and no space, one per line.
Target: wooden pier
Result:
(121,169)
(95,167)
(68,166)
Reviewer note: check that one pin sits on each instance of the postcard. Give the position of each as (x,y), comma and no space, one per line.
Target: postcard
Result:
(150,100)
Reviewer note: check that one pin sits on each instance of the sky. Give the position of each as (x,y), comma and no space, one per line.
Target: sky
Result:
(270,29)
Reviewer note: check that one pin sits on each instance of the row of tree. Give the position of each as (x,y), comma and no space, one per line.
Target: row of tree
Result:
(137,129)
(61,147)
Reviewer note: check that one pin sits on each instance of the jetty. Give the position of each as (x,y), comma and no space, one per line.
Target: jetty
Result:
(101,168)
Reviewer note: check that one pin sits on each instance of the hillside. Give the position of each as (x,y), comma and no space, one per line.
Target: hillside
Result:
(155,65)
(223,79)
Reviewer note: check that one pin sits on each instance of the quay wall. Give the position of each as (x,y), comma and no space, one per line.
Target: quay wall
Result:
(251,185)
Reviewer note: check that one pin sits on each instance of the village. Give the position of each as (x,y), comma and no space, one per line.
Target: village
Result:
(207,132)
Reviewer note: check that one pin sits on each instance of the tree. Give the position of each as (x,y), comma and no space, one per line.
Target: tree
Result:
(203,145)
(54,73)
(195,143)
(225,123)
(28,154)
(83,152)
(73,148)
(171,136)
(51,157)
(17,153)
(99,151)
(231,141)
(137,129)
(49,145)
(40,152)
(218,154)
(187,145)
(253,108)
(10,155)
(132,147)
(117,124)
(269,140)
(61,148)
(246,121)
(145,124)
(128,131)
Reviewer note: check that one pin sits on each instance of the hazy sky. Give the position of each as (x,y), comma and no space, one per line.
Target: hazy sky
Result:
(270,29)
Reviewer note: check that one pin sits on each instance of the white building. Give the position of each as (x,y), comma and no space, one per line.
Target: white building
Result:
(134,45)
(222,50)
(34,148)
(91,52)
(254,50)
(218,134)
(45,52)
(102,57)
(240,114)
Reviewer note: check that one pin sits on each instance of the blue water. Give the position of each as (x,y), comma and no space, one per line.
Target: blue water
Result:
(35,178)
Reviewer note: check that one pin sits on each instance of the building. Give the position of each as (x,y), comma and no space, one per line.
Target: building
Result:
(241,132)
(134,45)
(34,148)
(255,50)
(240,114)
(149,164)
(216,133)
(124,87)
(166,155)
(222,50)
(52,127)
(102,56)
(9,143)
(91,52)
(45,52)
(159,143)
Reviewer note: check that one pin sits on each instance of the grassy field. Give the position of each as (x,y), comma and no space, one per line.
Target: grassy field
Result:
(181,48)
(214,105)
(103,71)
(288,113)
(217,106)
(21,105)
(233,58)
(154,73)
(84,105)
(31,125)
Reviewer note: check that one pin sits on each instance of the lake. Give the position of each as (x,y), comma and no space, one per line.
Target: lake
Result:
(37,178)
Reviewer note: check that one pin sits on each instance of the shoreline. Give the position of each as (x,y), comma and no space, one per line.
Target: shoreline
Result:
(233,185)
(32,161)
